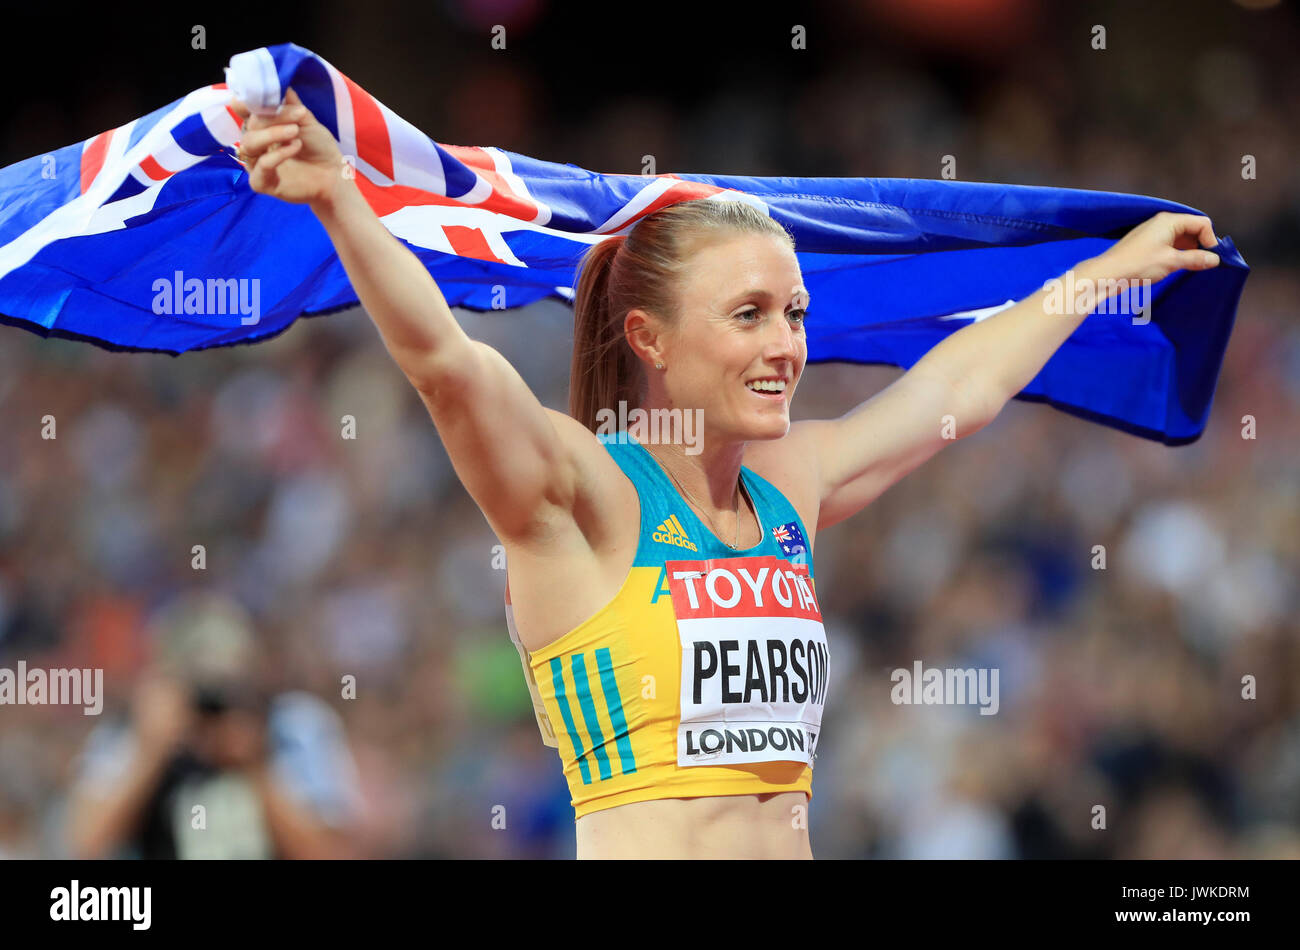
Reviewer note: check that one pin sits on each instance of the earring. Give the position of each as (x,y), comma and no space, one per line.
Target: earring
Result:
(659,365)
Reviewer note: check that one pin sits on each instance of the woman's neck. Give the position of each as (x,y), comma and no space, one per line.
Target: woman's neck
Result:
(711,477)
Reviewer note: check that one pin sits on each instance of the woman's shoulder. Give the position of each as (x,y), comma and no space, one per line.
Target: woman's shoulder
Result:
(604,493)
(581,444)
(788,464)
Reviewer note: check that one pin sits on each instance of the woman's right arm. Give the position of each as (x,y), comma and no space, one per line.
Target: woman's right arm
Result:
(515,457)
(502,441)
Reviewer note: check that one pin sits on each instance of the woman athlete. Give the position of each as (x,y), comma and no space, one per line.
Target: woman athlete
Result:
(664,592)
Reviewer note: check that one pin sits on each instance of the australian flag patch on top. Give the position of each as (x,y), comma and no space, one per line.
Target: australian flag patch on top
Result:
(791,539)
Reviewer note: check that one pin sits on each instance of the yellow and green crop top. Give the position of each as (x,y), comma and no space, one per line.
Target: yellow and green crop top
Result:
(707,672)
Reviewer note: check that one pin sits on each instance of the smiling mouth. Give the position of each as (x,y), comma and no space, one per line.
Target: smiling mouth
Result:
(776,394)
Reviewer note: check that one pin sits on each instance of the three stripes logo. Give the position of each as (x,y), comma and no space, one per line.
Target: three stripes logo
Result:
(672,532)
(591,721)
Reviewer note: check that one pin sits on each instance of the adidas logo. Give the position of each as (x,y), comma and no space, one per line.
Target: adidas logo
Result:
(672,532)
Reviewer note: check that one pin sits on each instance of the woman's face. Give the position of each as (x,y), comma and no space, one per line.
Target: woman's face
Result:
(741,320)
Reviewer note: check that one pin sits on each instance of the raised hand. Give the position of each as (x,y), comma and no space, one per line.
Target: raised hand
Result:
(290,155)
(1159,246)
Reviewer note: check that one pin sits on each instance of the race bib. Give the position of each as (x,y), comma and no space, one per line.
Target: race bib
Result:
(754,661)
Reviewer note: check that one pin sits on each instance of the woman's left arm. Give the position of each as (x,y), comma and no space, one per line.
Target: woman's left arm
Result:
(961,384)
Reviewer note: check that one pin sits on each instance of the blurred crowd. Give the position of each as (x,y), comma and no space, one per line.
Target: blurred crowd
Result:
(361,576)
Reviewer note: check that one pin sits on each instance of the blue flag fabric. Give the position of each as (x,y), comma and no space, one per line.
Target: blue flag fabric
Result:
(148,237)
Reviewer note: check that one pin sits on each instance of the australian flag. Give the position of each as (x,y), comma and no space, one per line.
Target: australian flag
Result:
(148,237)
(790,539)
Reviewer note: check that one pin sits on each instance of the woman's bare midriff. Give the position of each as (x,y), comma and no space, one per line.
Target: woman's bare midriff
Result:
(730,826)
(554,589)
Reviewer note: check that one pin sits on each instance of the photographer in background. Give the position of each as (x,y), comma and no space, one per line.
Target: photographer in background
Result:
(211,765)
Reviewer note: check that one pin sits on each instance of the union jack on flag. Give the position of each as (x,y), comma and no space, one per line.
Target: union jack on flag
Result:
(141,236)
(790,538)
